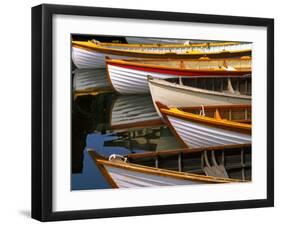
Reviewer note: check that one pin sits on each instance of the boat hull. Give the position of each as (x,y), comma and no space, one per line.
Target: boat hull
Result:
(89,55)
(134,179)
(121,174)
(131,81)
(175,95)
(90,59)
(130,78)
(196,134)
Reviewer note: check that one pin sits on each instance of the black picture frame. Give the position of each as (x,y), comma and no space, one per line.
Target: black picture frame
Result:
(42,111)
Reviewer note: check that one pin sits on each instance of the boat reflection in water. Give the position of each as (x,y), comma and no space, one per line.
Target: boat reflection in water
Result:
(90,81)
(110,124)
(136,124)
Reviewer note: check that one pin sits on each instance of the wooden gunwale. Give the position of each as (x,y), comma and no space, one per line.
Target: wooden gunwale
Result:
(177,70)
(142,54)
(176,87)
(224,124)
(219,107)
(160,172)
(172,152)
(190,45)
(200,59)
(205,44)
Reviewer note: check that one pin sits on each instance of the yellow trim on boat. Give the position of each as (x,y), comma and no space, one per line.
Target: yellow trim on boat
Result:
(108,44)
(222,122)
(136,62)
(93,46)
(163,172)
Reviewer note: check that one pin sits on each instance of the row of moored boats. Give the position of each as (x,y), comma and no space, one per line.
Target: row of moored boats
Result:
(202,91)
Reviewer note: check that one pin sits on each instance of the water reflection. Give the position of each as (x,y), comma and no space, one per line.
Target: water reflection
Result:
(109,123)
(85,80)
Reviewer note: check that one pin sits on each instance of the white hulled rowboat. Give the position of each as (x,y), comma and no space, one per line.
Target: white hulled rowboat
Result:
(92,54)
(121,174)
(176,95)
(130,76)
(200,127)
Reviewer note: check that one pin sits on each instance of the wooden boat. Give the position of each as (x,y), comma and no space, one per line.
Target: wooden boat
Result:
(122,174)
(130,76)
(147,40)
(133,111)
(91,54)
(177,95)
(231,161)
(209,125)
(90,81)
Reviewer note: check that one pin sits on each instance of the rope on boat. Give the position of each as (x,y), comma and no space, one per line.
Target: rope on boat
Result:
(117,157)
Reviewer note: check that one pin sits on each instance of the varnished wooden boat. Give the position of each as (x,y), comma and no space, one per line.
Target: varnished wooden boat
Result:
(147,40)
(178,95)
(91,54)
(231,161)
(130,76)
(205,126)
(122,174)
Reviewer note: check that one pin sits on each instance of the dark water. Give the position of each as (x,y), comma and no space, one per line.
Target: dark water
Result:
(92,121)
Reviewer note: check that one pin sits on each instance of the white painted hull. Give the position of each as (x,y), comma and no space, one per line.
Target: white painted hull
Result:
(133,110)
(199,135)
(85,59)
(132,81)
(90,79)
(175,95)
(132,179)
